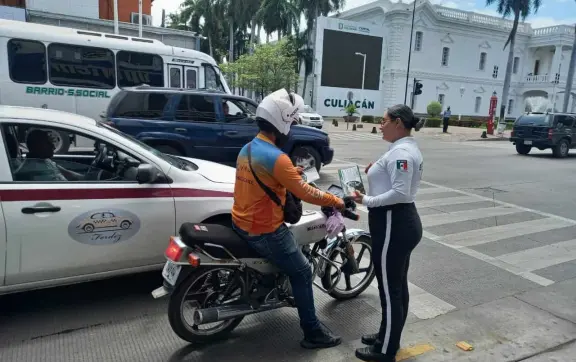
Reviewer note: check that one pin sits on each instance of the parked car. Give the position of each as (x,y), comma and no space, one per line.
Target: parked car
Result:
(94,212)
(310,118)
(209,125)
(545,130)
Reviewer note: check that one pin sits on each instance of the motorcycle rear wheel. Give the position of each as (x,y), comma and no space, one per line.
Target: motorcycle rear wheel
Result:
(190,332)
(328,278)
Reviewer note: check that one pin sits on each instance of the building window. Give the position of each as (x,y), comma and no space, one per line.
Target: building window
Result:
(81,66)
(418,41)
(441,99)
(139,68)
(516,65)
(445,56)
(536,67)
(495,72)
(477,105)
(510,106)
(482,64)
(27,61)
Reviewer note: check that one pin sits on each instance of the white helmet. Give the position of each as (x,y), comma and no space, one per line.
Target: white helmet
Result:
(281,109)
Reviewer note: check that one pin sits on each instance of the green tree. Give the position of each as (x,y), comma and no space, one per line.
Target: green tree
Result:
(312,9)
(519,9)
(434,108)
(570,78)
(269,68)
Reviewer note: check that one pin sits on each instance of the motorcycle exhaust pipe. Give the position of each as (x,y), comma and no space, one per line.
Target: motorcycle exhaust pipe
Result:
(225,312)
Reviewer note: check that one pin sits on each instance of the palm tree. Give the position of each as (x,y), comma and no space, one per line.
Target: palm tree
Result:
(312,9)
(279,16)
(205,17)
(570,78)
(520,9)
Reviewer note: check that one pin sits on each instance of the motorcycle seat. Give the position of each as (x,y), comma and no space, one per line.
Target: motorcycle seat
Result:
(193,234)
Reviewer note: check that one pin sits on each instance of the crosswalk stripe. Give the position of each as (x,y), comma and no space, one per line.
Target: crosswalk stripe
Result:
(447,218)
(446,201)
(354,136)
(543,256)
(495,233)
(524,263)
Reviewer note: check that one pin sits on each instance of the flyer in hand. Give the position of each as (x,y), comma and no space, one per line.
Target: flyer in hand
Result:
(351,179)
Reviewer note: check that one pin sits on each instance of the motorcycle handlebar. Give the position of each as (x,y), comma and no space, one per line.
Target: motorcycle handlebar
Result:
(350,215)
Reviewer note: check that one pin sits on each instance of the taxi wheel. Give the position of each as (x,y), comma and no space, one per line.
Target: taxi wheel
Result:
(125,224)
(88,228)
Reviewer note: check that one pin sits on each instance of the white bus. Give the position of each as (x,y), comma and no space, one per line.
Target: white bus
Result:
(79,71)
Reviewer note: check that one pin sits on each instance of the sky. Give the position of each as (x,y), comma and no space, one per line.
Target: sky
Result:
(552,12)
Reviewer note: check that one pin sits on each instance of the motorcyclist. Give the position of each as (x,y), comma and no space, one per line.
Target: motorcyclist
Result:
(260,221)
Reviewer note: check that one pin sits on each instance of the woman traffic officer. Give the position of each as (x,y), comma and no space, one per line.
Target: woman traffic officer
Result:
(395,226)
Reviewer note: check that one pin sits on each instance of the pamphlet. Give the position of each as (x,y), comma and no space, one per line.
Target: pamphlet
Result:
(351,180)
(310,174)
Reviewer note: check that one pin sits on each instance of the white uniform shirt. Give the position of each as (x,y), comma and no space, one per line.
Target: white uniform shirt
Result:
(395,177)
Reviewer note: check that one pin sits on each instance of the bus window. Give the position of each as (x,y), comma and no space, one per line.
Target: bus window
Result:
(81,66)
(139,68)
(27,61)
(211,79)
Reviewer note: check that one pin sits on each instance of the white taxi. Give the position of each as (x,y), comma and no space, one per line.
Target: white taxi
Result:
(93,212)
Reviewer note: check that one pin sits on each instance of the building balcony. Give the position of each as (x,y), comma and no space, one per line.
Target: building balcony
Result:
(481,19)
(562,35)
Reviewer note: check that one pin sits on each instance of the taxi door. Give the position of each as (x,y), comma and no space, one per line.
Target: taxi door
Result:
(64,229)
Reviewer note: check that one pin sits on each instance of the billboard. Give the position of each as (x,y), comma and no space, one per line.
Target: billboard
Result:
(341,48)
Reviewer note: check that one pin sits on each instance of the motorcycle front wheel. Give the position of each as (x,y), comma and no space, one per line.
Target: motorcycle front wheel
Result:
(364,277)
(201,290)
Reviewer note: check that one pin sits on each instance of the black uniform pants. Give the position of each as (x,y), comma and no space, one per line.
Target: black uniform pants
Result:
(395,230)
(445,124)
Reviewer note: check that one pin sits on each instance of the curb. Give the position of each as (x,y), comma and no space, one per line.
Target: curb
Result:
(489,139)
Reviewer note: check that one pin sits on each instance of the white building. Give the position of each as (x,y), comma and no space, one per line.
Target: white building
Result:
(459,58)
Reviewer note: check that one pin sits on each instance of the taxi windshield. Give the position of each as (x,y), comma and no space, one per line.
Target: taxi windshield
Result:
(172,160)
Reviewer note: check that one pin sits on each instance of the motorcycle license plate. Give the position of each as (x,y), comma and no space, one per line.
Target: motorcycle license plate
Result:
(170,272)
(528,142)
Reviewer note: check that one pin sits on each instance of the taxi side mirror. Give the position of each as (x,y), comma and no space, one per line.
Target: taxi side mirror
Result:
(147,174)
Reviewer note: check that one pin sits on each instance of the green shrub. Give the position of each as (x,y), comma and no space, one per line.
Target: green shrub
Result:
(378,120)
(434,108)
(367,119)
(433,122)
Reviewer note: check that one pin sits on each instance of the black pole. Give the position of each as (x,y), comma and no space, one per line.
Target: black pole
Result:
(409,52)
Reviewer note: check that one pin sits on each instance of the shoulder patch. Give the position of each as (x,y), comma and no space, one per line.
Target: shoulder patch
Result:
(402,165)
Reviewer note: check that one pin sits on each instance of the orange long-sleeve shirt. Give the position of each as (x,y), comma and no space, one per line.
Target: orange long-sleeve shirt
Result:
(254,211)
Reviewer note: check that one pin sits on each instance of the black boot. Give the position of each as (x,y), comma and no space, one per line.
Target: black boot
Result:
(320,338)
(374,354)
(369,339)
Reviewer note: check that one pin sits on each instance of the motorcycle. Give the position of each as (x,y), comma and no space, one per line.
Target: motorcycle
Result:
(211,267)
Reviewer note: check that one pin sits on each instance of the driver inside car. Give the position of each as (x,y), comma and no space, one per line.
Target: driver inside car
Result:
(260,221)
(38,164)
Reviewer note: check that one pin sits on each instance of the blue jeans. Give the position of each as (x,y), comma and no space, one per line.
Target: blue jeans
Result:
(280,248)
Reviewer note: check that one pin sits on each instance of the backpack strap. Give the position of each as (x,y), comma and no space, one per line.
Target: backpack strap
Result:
(266,189)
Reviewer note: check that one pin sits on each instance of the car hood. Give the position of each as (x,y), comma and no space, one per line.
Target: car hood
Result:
(310,115)
(213,171)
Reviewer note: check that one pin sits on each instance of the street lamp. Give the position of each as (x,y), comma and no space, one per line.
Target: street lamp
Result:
(363,73)
(462,89)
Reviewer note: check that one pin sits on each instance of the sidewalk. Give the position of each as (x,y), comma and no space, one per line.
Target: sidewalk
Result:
(454,133)
(534,326)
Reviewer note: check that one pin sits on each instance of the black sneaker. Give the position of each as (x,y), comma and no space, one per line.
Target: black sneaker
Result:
(320,338)
(373,355)
(370,339)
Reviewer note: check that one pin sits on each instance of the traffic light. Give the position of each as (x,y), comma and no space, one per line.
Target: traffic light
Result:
(417,88)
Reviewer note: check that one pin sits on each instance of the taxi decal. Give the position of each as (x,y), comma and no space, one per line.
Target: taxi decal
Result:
(104,227)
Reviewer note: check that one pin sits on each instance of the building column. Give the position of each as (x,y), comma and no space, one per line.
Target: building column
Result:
(555,63)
